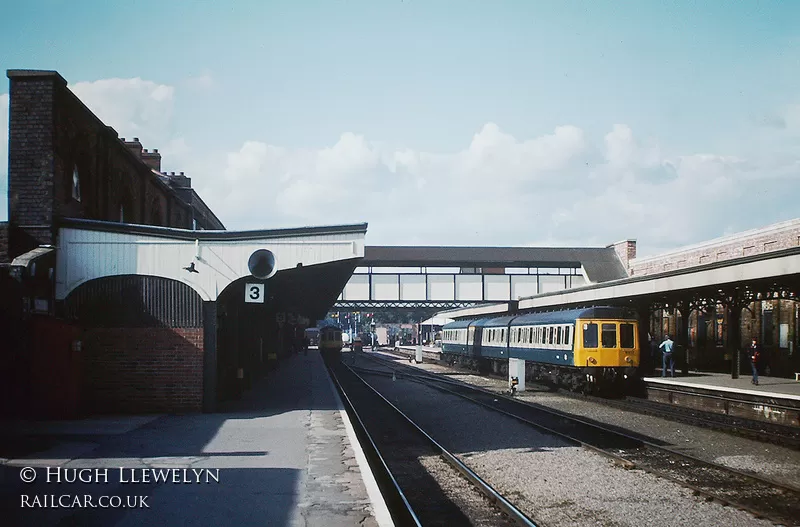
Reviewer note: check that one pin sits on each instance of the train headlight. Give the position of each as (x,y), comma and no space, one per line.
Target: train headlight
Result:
(629,359)
(592,360)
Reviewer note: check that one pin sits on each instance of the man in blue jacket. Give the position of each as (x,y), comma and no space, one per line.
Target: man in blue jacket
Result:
(667,357)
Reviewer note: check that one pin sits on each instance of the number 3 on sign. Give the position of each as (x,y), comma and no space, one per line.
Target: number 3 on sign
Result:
(254,293)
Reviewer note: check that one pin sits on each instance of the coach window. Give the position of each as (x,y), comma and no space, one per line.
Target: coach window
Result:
(626,336)
(590,335)
(567,335)
(609,335)
(558,335)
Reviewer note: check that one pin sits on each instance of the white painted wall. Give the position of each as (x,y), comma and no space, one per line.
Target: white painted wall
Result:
(412,287)
(523,285)
(385,287)
(496,287)
(84,255)
(440,287)
(469,287)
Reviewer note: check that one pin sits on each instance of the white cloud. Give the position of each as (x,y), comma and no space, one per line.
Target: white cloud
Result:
(498,190)
(133,107)
(560,188)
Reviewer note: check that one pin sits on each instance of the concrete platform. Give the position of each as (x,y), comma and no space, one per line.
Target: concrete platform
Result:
(285,455)
(767,386)
(775,400)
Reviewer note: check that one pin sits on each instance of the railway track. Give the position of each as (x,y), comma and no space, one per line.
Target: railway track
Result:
(760,496)
(757,430)
(423,483)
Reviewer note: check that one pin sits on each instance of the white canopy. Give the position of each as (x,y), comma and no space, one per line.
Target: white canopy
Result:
(436,321)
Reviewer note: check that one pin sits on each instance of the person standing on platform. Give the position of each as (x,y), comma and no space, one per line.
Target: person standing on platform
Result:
(755,356)
(667,357)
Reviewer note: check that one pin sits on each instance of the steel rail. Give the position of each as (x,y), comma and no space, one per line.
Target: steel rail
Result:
(428,379)
(506,506)
(401,511)
(711,420)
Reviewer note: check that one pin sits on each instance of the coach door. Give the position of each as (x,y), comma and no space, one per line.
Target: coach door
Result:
(475,344)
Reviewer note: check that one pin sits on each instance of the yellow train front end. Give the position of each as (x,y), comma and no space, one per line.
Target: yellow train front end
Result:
(607,350)
(330,342)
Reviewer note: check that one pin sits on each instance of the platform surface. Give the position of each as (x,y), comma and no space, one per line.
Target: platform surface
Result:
(284,455)
(767,386)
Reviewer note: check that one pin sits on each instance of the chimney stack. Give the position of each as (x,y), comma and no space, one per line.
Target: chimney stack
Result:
(152,159)
(626,251)
(134,146)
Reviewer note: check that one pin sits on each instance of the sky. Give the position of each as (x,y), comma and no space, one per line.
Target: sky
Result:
(508,123)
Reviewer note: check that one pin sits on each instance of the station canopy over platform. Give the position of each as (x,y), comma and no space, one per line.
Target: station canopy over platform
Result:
(436,321)
(312,263)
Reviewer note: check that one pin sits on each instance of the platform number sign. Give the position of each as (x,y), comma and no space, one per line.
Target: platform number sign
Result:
(254,293)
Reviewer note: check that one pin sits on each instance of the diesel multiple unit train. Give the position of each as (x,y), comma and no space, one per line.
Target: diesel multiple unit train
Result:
(594,349)
(330,341)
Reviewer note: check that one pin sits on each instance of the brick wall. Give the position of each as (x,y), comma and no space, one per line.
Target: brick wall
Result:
(52,136)
(112,171)
(626,251)
(31,160)
(142,344)
(4,242)
(142,370)
(771,238)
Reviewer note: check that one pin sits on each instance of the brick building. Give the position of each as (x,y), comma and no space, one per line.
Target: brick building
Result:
(64,162)
(120,290)
(773,320)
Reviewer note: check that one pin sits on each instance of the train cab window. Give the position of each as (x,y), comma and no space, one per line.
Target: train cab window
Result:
(590,335)
(626,336)
(609,335)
